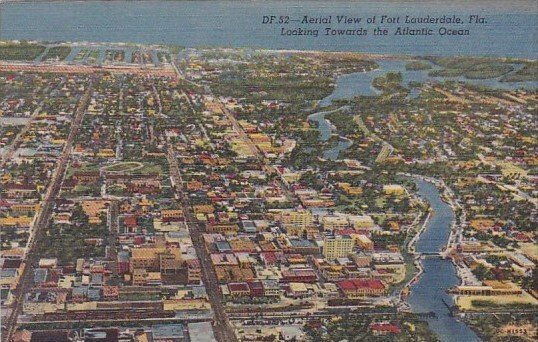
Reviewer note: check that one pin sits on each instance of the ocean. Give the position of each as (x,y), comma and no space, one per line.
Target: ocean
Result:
(509,31)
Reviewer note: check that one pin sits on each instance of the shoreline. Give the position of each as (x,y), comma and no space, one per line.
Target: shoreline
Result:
(358,54)
(411,250)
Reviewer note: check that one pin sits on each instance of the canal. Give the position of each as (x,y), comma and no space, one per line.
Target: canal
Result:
(428,294)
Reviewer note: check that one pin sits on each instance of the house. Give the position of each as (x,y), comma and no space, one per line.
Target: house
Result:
(393,190)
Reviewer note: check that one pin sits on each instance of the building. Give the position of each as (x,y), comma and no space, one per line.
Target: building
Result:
(332,222)
(256,288)
(94,209)
(238,290)
(172,215)
(123,262)
(194,271)
(201,332)
(305,275)
(24,209)
(337,246)
(359,222)
(222,228)
(490,288)
(393,190)
(271,288)
(142,277)
(166,260)
(364,242)
(350,190)
(297,290)
(301,219)
(383,329)
(355,288)
(303,247)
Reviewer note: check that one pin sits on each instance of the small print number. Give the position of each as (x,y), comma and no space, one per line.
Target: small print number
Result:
(284,19)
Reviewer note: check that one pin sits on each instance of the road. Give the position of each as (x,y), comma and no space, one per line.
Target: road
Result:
(112,252)
(256,151)
(44,216)
(10,150)
(223,330)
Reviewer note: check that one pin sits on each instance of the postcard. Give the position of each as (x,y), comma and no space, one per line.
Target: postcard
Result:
(268,170)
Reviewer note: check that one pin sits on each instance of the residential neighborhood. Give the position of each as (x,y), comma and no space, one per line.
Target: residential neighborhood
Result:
(162,194)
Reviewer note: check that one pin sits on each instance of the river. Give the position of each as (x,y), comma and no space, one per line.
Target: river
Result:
(326,130)
(429,292)
(360,83)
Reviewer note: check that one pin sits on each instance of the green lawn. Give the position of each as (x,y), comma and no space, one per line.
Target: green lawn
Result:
(528,73)
(122,167)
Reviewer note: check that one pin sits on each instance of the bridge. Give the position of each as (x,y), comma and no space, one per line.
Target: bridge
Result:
(430,254)
(423,255)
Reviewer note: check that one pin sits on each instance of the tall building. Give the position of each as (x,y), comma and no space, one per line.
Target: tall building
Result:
(156,259)
(337,246)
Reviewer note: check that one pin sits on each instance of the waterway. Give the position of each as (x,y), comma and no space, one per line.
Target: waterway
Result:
(326,130)
(429,292)
(360,84)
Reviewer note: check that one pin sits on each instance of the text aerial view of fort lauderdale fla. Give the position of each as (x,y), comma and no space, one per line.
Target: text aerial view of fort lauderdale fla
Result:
(268,171)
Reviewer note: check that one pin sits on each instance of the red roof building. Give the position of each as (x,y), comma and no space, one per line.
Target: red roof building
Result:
(256,289)
(353,288)
(239,289)
(299,276)
(384,329)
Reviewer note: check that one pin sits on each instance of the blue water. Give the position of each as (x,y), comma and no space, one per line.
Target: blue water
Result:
(326,130)
(428,293)
(360,83)
(510,31)
(435,237)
